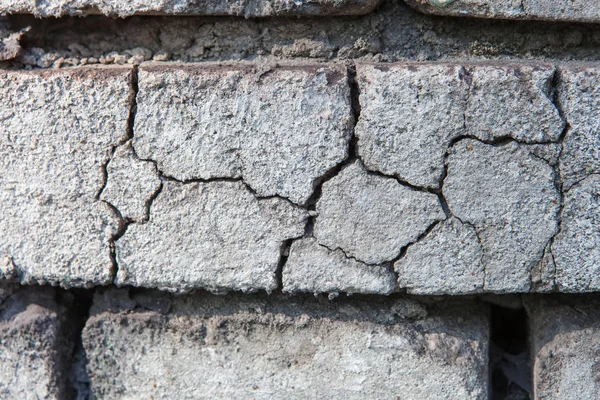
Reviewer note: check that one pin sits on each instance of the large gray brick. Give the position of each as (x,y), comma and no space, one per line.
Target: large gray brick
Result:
(33,344)
(411,112)
(279,129)
(247,8)
(279,347)
(56,135)
(553,10)
(565,334)
(214,235)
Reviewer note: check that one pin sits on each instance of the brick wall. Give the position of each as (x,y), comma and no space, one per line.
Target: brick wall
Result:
(336,200)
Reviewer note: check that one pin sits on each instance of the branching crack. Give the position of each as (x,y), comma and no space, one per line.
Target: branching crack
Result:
(123,222)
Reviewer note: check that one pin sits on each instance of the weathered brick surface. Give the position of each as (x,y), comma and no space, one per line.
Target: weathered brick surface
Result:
(246,8)
(552,10)
(565,333)
(411,112)
(370,217)
(449,260)
(276,348)
(278,129)
(312,267)
(213,235)
(33,344)
(56,135)
(509,196)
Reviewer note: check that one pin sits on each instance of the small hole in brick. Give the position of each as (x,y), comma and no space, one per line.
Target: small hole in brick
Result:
(509,355)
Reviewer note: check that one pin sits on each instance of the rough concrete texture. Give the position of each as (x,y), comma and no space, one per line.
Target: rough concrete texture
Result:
(512,100)
(279,128)
(289,347)
(213,235)
(314,268)
(246,8)
(552,10)
(576,248)
(565,334)
(33,343)
(449,260)
(370,217)
(56,135)
(514,208)
(131,184)
(579,96)
(411,113)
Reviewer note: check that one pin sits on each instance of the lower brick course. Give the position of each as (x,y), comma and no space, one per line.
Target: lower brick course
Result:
(208,347)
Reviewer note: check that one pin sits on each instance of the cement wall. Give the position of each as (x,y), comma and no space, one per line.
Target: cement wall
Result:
(337,199)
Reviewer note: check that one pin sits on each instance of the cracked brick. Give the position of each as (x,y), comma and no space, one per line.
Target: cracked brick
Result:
(448,261)
(57,133)
(280,347)
(131,184)
(213,235)
(576,248)
(411,112)
(370,217)
(279,129)
(316,269)
(510,197)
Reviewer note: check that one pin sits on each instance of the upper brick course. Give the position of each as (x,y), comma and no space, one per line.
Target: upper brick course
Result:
(461,178)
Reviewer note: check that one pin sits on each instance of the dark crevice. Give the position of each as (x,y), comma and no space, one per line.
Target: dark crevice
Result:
(554,92)
(351,152)
(167,178)
(75,378)
(422,236)
(283,257)
(349,257)
(510,365)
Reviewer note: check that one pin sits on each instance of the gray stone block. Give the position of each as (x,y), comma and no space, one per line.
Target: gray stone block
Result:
(411,112)
(246,8)
(289,348)
(565,335)
(33,344)
(576,248)
(510,197)
(316,269)
(552,10)
(371,217)
(213,235)
(57,132)
(279,129)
